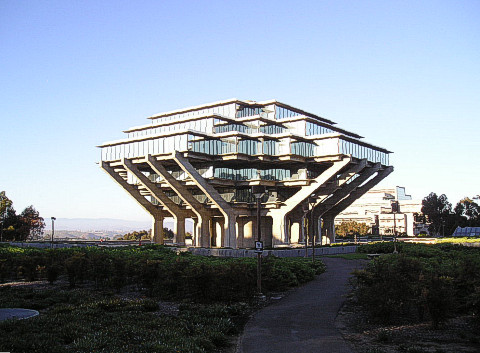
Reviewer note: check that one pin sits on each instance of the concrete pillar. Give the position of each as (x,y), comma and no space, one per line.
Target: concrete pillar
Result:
(204,232)
(248,228)
(267,231)
(280,232)
(229,231)
(303,233)
(195,240)
(220,232)
(295,232)
(157,229)
(318,227)
(179,230)
(212,233)
(329,230)
(240,233)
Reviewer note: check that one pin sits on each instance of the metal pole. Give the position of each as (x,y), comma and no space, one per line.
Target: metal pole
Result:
(53,231)
(313,234)
(305,232)
(259,255)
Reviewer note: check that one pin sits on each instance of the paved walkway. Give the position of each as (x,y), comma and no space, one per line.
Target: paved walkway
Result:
(303,321)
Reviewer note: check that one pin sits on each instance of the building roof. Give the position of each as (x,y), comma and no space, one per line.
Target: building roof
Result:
(244,102)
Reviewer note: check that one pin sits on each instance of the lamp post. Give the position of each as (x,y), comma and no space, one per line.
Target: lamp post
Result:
(312,201)
(258,191)
(53,230)
(395,209)
(305,232)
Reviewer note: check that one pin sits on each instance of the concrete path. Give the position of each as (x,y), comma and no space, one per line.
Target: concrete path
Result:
(16,313)
(303,321)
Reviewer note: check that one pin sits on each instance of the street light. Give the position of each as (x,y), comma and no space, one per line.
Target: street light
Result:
(395,209)
(304,231)
(258,191)
(53,230)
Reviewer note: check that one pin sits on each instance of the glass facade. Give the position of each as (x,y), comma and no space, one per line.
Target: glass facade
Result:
(201,125)
(359,151)
(228,110)
(266,129)
(244,111)
(281,113)
(176,133)
(252,173)
(315,129)
(304,149)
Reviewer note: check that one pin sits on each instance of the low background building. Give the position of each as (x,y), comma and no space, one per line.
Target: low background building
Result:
(378,209)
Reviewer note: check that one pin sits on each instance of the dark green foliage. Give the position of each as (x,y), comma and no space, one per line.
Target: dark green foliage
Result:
(421,282)
(86,321)
(158,270)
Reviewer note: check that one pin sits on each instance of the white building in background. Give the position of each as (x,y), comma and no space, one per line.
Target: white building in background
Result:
(376,209)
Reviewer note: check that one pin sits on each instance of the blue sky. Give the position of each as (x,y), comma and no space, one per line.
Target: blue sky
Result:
(73,74)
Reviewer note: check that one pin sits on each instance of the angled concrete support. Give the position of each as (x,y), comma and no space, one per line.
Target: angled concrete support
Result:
(177,213)
(226,210)
(130,189)
(157,215)
(202,214)
(360,191)
(339,202)
(345,190)
(279,231)
(152,188)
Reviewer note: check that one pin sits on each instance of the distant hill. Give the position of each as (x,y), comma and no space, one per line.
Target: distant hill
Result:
(107,225)
(98,224)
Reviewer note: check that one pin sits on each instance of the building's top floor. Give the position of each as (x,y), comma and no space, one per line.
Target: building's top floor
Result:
(237,108)
(234,111)
(243,127)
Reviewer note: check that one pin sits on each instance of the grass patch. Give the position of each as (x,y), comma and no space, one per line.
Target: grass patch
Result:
(86,321)
(352,256)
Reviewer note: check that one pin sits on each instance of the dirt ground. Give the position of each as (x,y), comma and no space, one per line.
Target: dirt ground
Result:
(461,334)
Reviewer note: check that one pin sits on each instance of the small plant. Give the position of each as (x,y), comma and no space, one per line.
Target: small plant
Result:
(384,336)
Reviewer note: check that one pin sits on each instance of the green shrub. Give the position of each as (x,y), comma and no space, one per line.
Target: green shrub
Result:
(421,282)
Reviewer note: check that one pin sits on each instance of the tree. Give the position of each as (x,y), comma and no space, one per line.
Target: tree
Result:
(32,225)
(470,210)
(5,203)
(351,228)
(437,210)
(21,227)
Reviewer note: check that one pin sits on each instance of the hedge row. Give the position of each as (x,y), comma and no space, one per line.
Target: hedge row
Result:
(157,270)
(421,282)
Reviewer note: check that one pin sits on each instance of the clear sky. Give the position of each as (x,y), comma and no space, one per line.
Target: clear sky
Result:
(73,74)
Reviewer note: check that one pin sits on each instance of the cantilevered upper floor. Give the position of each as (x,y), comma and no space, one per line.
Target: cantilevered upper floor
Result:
(201,163)
(267,128)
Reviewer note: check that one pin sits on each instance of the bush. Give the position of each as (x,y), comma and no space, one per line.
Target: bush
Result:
(159,271)
(421,282)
